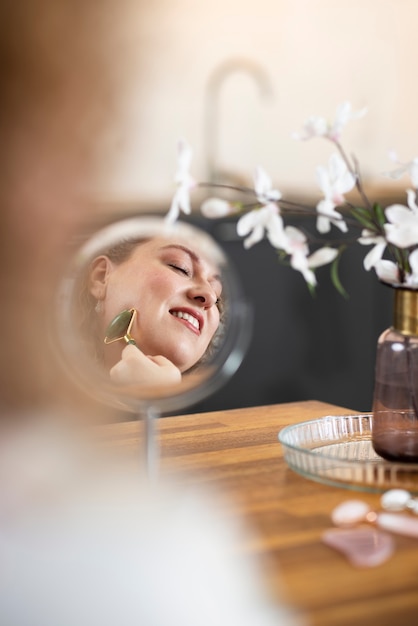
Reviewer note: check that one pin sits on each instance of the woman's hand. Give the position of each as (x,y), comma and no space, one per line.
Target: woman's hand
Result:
(136,368)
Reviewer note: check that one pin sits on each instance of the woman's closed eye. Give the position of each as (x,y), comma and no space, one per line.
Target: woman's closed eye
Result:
(184,270)
(188,272)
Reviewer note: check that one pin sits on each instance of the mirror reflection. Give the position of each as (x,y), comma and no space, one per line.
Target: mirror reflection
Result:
(146,308)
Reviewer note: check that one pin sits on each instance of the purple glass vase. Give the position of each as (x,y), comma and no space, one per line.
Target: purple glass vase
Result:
(395,400)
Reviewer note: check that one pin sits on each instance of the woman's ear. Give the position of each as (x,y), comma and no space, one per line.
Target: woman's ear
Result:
(100,269)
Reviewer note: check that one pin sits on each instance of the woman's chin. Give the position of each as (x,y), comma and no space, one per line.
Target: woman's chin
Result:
(185,364)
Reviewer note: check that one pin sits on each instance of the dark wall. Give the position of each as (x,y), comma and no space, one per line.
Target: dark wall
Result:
(303,347)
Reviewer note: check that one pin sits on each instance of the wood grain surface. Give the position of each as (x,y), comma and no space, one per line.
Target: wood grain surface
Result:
(237,452)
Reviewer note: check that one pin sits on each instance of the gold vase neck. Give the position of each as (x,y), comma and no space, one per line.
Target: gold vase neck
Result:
(405,314)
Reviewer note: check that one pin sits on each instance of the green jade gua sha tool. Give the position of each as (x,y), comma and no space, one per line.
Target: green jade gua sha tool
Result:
(119,328)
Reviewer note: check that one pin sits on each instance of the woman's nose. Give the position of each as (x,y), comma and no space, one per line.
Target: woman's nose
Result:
(203,295)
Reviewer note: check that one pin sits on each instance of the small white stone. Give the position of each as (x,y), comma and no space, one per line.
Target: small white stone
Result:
(395,499)
(413,505)
(349,513)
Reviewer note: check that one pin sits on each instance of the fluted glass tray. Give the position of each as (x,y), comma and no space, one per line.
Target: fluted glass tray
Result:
(337,450)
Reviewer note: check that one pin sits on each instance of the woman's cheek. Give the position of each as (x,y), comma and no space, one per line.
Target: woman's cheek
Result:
(216,322)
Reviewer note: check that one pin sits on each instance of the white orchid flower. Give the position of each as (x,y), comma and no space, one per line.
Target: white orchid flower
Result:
(216,207)
(322,256)
(402,231)
(387,271)
(327,216)
(316,126)
(411,199)
(344,115)
(266,220)
(373,257)
(298,251)
(412,278)
(411,167)
(334,181)
(264,188)
(184,182)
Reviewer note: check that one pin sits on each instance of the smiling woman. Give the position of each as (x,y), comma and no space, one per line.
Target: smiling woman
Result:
(147,303)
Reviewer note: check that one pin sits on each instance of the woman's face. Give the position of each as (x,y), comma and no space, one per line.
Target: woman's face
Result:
(176,293)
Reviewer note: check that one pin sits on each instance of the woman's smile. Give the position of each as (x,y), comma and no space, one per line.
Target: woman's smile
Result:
(191,318)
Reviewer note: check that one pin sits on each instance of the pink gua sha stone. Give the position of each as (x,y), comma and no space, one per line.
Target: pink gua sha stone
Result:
(363,546)
(354,512)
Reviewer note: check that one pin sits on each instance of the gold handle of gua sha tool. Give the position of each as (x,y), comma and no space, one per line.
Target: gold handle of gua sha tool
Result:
(120,327)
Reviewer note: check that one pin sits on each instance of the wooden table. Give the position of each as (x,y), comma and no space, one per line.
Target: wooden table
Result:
(238,452)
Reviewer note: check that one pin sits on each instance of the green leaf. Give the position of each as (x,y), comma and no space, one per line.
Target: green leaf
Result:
(379,214)
(312,289)
(363,216)
(335,276)
(361,211)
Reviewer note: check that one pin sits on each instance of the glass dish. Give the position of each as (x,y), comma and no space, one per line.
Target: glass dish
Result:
(337,450)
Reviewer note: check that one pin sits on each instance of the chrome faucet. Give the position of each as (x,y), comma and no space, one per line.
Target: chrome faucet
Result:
(213,90)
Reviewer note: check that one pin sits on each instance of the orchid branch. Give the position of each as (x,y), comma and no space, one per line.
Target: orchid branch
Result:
(392,230)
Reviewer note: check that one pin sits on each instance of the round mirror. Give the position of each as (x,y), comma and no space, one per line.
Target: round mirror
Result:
(151,315)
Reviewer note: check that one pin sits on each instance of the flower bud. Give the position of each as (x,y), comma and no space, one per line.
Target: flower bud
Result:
(215,207)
